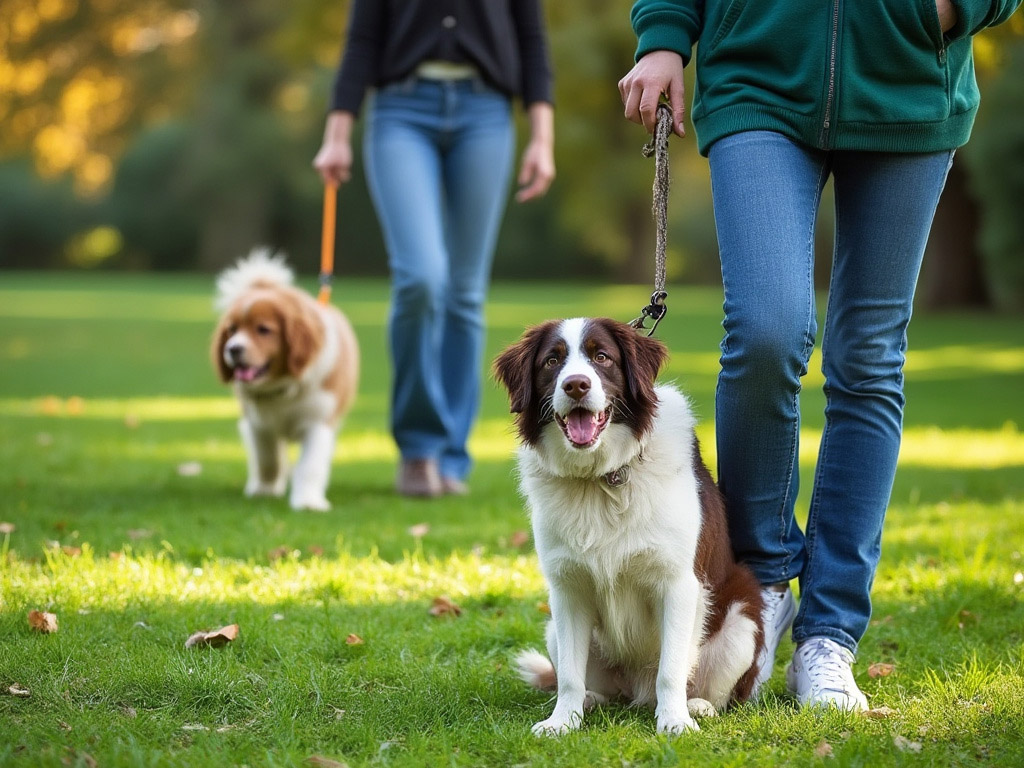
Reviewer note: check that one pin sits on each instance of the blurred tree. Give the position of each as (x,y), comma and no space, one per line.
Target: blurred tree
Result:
(997,165)
(956,272)
(79,77)
(189,126)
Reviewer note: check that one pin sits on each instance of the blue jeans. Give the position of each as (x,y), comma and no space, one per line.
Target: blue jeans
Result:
(766,192)
(438,157)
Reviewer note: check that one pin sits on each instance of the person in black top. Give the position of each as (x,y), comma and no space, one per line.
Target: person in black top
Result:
(438,150)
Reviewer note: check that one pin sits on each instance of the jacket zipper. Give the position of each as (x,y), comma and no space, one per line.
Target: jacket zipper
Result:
(830,98)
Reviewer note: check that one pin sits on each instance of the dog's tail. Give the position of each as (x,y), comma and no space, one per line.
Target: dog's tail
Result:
(262,267)
(537,670)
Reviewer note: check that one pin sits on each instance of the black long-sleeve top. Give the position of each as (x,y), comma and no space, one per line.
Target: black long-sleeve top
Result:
(388,39)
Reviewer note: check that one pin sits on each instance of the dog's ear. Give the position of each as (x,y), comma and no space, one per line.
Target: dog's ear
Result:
(220,338)
(303,336)
(514,369)
(642,359)
(514,366)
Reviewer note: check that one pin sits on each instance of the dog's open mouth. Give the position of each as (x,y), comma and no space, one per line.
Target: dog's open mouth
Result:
(249,373)
(582,427)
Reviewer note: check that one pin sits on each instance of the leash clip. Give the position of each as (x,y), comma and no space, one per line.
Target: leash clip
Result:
(656,310)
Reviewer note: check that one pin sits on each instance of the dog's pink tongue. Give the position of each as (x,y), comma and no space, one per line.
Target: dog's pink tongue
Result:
(581,425)
(245,374)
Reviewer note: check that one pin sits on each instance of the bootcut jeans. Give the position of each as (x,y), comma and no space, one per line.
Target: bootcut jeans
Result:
(438,156)
(766,192)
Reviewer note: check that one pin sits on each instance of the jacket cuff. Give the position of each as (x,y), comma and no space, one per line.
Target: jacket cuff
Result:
(663,30)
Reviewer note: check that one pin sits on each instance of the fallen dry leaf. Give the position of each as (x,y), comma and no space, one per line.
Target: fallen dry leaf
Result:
(544,608)
(190,469)
(419,530)
(319,761)
(904,744)
(40,621)
(16,690)
(880,669)
(6,528)
(278,552)
(824,749)
(519,538)
(315,551)
(966,617)
(879,713)
(79,758)
(70,551)
(215,639)
(353,639)
(443,606)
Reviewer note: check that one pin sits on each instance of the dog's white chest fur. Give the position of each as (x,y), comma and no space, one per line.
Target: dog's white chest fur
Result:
(618,545)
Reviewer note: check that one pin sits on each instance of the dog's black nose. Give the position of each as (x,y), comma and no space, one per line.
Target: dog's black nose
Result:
(576,386)
(235,351)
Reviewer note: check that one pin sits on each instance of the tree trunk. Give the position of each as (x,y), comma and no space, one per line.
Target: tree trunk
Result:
(952,276)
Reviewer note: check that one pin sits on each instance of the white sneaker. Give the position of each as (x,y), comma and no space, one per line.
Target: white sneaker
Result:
(776,618)
(821,675)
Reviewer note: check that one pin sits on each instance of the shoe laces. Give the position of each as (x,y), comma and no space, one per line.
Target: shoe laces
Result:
(772,600)
(827,664)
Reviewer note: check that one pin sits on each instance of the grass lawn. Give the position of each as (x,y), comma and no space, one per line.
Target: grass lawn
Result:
(121,473)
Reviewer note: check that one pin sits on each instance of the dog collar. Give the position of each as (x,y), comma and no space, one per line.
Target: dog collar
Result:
(617,477)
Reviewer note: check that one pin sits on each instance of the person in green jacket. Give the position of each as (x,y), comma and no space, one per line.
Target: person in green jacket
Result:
(877,94)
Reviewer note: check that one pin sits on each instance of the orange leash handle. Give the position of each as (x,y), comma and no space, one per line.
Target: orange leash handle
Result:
(327,243)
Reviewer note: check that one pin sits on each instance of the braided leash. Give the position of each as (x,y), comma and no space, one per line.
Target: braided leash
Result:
(658,147)
(327,243)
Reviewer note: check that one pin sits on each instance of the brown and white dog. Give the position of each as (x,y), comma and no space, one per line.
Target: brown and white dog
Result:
(295,367)
(647,602)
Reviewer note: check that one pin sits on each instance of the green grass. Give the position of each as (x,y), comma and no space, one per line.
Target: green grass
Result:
(106,389)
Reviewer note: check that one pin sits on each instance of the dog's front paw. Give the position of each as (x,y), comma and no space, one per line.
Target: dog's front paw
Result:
(556,726)
(260,488)
(701,708)
(310,503)
(677,723)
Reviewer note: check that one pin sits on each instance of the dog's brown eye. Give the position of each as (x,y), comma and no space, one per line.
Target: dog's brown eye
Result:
(263,330)
(551,362)
(600,357)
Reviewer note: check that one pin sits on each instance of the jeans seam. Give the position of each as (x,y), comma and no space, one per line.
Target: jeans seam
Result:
(808,348)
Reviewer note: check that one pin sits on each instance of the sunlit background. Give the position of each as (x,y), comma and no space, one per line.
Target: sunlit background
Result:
(174,134)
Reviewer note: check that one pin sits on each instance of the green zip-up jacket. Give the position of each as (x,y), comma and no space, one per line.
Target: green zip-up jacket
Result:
(833,74)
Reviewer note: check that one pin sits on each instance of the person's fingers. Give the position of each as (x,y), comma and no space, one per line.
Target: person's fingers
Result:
(534,179)
(677,100)
(632,103)
(526,172)
(649,109)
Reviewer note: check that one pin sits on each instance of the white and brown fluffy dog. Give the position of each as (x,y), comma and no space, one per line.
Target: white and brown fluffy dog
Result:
(647,602)
(295,368)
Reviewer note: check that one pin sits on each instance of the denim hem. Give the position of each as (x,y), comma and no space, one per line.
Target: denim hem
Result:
(766,577)
(803,634)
